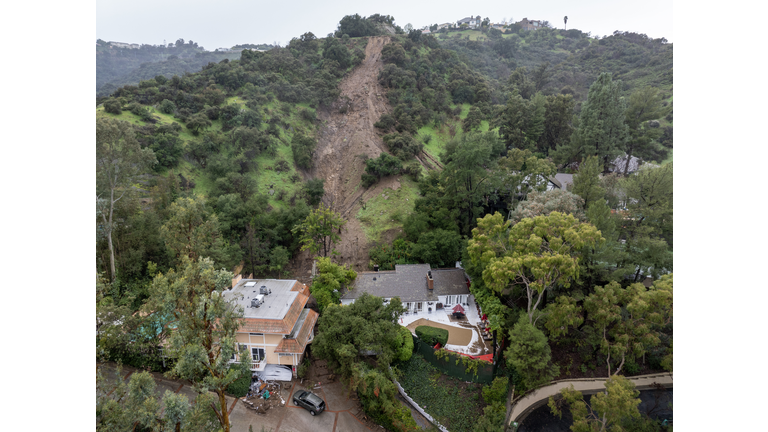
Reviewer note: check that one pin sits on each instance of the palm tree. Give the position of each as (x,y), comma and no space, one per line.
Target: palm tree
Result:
(566,22)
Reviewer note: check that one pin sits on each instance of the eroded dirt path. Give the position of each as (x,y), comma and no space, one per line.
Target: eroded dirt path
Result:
(343,139)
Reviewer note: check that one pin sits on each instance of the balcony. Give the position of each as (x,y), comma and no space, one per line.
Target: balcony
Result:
(255,366)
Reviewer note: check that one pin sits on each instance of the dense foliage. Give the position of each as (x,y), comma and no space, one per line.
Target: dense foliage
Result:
(452,404)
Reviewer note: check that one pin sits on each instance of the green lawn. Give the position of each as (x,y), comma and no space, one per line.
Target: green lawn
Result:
(388,210)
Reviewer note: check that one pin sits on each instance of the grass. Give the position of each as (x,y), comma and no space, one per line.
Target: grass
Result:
(388,210)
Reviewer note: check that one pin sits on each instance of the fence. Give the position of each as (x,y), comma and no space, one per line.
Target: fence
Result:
(449,367)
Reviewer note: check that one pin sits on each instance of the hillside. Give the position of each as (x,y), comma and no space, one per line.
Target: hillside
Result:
(117,67)
(247,126)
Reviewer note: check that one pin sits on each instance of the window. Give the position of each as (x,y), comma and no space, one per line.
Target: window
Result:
(418,306)
(258,354)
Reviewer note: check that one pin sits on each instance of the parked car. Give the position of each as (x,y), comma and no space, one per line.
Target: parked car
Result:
(309,401)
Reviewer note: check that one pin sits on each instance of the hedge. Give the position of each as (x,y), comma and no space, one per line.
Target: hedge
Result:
(432,335)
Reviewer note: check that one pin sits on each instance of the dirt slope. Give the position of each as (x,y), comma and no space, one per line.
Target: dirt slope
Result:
(345,137)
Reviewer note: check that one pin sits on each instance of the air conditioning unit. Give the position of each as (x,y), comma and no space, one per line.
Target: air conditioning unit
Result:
(257,301)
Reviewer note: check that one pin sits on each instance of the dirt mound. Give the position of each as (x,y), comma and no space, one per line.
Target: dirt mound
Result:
(348,134)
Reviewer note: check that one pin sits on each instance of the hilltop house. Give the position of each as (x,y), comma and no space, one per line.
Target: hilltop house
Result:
(472,22)
(420,288)
(527,24)
(124,45)
(276,326)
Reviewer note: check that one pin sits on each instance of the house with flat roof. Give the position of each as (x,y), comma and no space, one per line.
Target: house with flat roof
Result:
(277,327)
(420,288)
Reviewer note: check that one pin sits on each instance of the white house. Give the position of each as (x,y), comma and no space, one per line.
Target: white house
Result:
(420,288)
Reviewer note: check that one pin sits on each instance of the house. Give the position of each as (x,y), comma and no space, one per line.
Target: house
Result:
(420,288)
(276,325)
(124,45)
(527,24)
(444,25)
(472,22)
(222,49)
(560,181)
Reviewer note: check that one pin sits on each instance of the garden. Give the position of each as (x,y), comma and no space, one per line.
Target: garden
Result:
(455,404)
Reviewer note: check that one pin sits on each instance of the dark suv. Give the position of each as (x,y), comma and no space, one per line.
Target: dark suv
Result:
(309,401)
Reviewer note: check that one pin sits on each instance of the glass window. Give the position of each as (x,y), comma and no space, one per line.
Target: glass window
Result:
(258,354)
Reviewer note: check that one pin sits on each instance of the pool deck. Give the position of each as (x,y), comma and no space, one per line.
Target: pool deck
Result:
(476,347)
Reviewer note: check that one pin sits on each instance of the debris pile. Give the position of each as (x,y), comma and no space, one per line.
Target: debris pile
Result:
(263,396)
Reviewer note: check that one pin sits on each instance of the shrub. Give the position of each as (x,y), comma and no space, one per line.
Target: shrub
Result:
(386,122)
(405,351)
(432,335)
(240,386)
(413,169)
(112,106)
(302,147)
(167,106)
(497,391)
(303,368)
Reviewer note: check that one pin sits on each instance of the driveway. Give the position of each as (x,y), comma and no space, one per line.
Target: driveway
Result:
(341,415)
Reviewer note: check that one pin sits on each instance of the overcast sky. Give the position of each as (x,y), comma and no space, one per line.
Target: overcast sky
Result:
(225,23)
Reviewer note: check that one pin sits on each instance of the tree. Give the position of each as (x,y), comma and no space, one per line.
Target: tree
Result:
(121,406)
(529,354)
(558,120)
(347,333)
(565,21)
(206,325)
(197,123)
(521,124)
(607,410)
(119,160)
(625,322)
(586,183)
(192,230)
(544,203)
(520,173)
(536,254)
(330,280)
(602,131)
(644,105)
(647,229)
(320,230)
(468,174)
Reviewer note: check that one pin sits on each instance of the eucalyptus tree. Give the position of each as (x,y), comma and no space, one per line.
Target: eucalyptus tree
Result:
(535,254)
(119,161)
(204,326)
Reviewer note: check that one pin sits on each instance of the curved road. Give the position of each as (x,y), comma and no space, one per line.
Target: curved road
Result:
(523,406)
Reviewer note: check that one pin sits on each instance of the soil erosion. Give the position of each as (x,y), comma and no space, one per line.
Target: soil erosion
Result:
(348,134)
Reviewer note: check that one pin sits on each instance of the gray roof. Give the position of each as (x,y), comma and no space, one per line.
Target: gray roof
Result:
(276,304)
(564,179)
(409,283)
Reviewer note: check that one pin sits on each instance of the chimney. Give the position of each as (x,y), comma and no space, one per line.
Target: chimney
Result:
(236,280)
(430,281)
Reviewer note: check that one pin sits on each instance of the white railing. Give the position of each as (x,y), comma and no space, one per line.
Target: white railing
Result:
(255,365)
